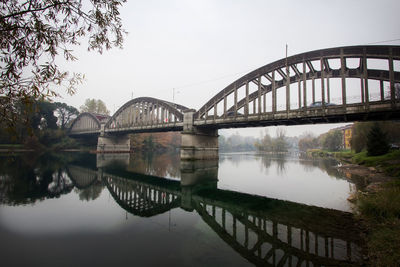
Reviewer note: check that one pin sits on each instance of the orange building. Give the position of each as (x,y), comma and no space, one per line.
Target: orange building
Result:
(347,132)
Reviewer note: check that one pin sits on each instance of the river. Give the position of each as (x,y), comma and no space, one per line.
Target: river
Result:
(247,209)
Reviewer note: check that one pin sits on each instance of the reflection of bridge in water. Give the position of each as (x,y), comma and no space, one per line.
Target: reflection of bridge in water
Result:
(264,231)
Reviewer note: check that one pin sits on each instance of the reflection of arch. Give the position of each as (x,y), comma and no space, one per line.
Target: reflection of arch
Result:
(82,177)
(300,68)
(145,111)
(264,231)
(86,122)
(140,198)
(266,242)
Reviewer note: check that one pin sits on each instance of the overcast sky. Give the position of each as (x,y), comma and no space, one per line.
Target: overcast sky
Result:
(200,46)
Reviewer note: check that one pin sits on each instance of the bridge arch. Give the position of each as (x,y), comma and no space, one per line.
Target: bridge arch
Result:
(87,122)
(82,177)
(146,111)
(307,76)
(139,198)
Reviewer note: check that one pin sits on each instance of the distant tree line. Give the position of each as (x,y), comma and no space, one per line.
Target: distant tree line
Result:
(265,143)
(236,143)
(332,141)
(273,144)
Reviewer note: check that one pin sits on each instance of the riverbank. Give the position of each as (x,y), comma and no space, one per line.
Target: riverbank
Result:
(378,203)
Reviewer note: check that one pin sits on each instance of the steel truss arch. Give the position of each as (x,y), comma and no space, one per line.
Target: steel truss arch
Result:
(289,65)
(146,110)
(139,198)
(85,122)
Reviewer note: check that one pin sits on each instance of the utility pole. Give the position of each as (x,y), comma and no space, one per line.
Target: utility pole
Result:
(173,95)
(287,82)
(286,53)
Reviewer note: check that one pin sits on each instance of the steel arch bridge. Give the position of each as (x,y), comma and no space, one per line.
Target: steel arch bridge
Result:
(306,79)
(328,85)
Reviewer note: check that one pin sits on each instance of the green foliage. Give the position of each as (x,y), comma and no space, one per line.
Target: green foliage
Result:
(37,128)
(65,114)
(332,140)
(38,116)
(34,34)
(95,106)
(383,205)
(46,113)
(384,245)
(56,139)
(361,130)
(359,137)
(265,143)
(308,142)
(277,144)
(377,143)
(389,163)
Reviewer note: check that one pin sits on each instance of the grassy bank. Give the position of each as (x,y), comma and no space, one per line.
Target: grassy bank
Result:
(326,153)
(388,163)
(379,211)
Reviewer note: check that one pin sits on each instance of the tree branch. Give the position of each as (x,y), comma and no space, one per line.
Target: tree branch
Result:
(29,10)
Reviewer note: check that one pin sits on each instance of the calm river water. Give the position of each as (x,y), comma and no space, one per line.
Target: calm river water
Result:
(80,209)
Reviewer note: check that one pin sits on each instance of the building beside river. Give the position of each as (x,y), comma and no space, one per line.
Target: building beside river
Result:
(347,132)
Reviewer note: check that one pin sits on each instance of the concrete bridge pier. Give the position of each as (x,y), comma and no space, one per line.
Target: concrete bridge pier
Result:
(114,144)
(118,143)
(197,143)
(195,176)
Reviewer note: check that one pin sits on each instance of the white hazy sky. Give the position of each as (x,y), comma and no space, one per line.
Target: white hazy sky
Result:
(200,46)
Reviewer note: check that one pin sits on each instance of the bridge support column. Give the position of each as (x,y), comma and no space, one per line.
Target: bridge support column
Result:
(114,144)
(198,143)
(195,176)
